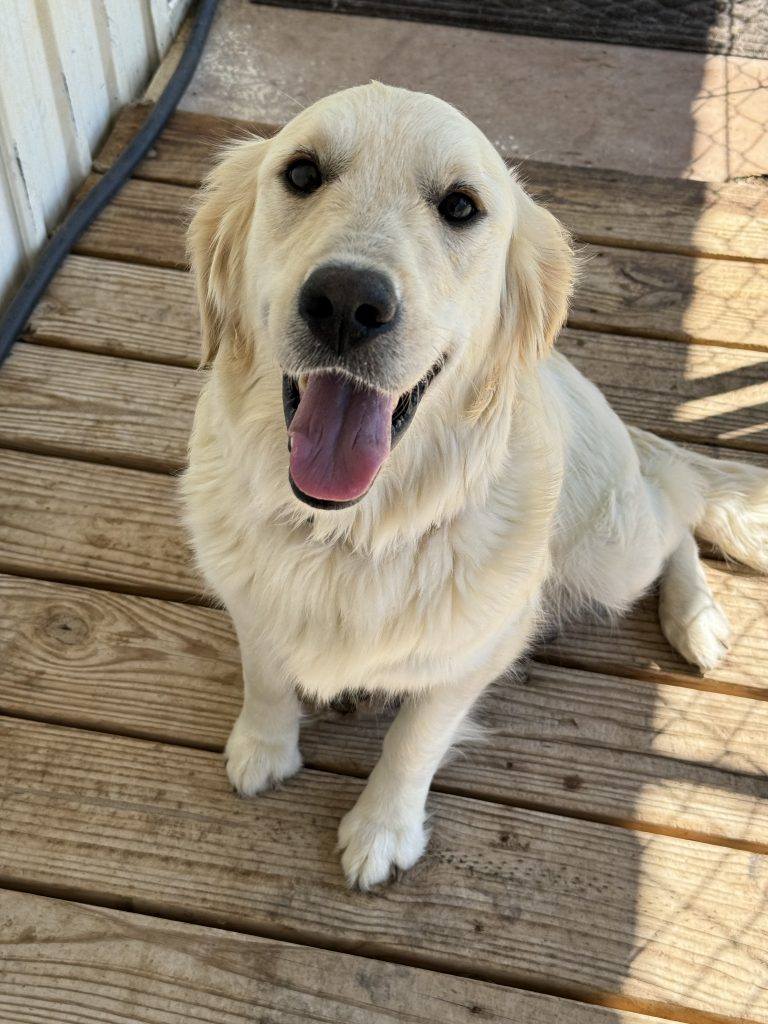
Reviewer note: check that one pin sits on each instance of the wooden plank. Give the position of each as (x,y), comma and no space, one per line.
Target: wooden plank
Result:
(72,31)
(696,393)
(127,49)
(118,411)
(599,206)
(145,223)
(67,961)
(45,155)
(159,669)
(637,646)
(636,789)
(98,408)
(17,245)
(674,297)
(694,218)
(509,895)
(649,293)
(120,309)
(660,757)
(655,757)
(187,148)
(139,415)
(92,524)
(166,19)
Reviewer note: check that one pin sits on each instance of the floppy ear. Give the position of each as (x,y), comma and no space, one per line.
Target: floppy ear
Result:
(541,269)
(217,237)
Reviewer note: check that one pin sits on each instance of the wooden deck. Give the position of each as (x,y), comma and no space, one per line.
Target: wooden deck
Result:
(601,859)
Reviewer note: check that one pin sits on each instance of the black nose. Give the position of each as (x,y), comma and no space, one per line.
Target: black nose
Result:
(345,306)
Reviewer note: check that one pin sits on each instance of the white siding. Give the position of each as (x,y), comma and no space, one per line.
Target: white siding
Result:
(66,69)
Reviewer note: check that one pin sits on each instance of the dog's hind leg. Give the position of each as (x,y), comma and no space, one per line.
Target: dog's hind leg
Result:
(725,503)
(691,619)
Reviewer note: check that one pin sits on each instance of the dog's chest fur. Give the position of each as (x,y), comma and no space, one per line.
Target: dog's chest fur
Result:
(416,613)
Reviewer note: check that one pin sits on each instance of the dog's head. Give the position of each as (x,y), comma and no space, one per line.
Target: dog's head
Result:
(374,252)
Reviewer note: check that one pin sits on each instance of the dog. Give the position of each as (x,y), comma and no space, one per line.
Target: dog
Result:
(394,479)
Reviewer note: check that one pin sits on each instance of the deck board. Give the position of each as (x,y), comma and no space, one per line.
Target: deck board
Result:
(507,892)
(605,843)
(73,963)
(119,411)
(723,302)
(92,523)
(120,309)
(636,645)
(82,523)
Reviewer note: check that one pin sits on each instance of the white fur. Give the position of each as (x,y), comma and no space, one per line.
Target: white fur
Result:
(516,487)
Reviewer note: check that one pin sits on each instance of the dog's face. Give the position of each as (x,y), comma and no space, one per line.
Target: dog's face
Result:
(370,247)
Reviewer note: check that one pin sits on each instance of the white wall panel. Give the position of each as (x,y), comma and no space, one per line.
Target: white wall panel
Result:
(166,18)
(12,247)
(66,69)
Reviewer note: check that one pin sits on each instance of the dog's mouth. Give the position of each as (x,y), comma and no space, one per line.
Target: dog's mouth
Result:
(340,433)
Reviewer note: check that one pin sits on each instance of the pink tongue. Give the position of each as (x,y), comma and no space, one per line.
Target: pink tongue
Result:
(340,436)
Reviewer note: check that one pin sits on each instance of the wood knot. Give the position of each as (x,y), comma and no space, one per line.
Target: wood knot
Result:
(573,782)
(66,627)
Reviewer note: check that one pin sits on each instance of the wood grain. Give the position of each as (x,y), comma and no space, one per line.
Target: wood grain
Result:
(698,393)
(657,756)
(529,881)
(650,756)
(187,148)
(694,218)
(70,963)
(120,309)
(92,524)
(602,206)
(115,662)
(145,223)
(502,893)
(98,408)
(662,295)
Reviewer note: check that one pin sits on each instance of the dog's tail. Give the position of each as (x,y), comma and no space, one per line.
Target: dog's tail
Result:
(729,503)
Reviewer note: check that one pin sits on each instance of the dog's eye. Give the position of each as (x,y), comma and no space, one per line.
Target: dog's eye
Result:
(457,208)
(304,175)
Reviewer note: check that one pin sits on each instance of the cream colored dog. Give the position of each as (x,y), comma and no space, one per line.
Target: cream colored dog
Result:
(374,277)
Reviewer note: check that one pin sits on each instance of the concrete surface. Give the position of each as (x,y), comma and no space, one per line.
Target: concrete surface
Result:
(629,108)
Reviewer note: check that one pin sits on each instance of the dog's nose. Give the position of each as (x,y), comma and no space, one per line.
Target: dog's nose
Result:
(345,306)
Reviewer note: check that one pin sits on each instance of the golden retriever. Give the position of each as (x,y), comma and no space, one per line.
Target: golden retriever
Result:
(376,278)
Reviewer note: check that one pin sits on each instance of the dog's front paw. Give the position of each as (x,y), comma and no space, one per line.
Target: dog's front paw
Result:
(372,850)
(700,634)
(255,763)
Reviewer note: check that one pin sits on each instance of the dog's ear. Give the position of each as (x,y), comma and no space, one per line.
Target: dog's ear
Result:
(541,270)
(217,237)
